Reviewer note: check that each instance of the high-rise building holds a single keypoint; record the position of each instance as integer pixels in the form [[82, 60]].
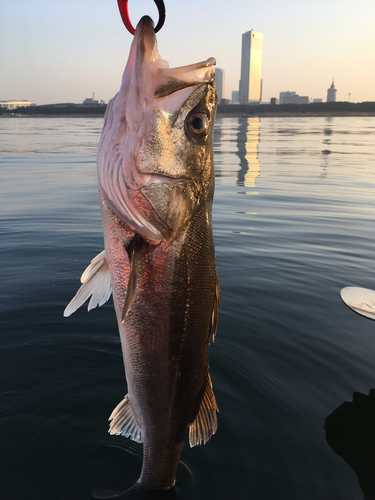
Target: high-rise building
[[331, 93], [251, 68], [220, 83]]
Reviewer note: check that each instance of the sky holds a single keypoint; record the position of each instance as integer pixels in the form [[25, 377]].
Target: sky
[[54, 51]]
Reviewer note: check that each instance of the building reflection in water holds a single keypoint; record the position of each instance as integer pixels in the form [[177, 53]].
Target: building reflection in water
[[237, 138], [248, 136], [218, 132], [327, 142], [350, 432]]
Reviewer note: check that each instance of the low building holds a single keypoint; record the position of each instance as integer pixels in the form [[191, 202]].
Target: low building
[[16, 104], [225, 101], [317, 100], [293, 98], [235, 96], [274, 100], [90, 101]]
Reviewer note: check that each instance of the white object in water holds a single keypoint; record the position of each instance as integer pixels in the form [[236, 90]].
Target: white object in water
[[361, 300]]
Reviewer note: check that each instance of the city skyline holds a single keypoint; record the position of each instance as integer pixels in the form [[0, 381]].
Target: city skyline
[[53, 52]]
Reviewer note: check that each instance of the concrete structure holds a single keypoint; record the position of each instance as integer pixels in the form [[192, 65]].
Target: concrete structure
[[235, 97], [251, 68], [274, 100], [220, 83], [225, 101], [293, 98], [91, 101], [16, 104], [331, 93], [317, 100]]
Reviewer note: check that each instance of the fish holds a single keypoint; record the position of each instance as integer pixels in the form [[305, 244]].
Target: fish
[[156, 187]]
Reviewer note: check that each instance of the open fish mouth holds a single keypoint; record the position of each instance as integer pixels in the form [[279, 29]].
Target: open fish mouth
[[177, 84], [149, 73], [139, 130]]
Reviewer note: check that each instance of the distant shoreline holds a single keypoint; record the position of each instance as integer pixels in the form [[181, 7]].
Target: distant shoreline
[[340, 108], [300, 114], [269, 114], [51, 115]]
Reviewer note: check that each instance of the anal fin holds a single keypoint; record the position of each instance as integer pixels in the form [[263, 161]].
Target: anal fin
[[205, 423], [123, 422]]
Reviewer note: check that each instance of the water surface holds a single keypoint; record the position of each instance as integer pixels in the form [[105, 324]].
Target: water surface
[[293, 223]]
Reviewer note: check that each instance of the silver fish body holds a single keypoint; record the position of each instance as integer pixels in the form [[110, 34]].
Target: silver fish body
[[156, 176]]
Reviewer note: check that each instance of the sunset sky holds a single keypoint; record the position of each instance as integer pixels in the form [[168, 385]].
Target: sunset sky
[[62, 51]]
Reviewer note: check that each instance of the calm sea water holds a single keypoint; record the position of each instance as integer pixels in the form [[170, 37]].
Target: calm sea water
[[293, 222]]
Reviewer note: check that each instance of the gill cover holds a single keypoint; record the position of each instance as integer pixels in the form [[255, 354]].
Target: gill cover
[[151, 152]]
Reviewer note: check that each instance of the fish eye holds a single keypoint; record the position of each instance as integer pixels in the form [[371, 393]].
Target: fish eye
[[197, 125]]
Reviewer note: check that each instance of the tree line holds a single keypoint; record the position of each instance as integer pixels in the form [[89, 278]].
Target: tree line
[[315, 107]]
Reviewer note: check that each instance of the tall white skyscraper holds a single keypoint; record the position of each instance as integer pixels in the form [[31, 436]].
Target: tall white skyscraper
[[251, 67], [220, 83]]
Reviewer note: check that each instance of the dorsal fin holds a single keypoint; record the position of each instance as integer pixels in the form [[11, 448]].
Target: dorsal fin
[[96, 283], [215, 309], [205, 423], [123, 422]]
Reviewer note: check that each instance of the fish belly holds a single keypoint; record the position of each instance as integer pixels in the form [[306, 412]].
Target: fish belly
[[165, 335]]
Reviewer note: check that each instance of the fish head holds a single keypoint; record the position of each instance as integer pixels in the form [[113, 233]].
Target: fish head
[[155, 155]]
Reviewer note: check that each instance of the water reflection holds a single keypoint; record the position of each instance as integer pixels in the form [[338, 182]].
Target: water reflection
[[248, 137], [350, 431], [327, 132], [218, 132]]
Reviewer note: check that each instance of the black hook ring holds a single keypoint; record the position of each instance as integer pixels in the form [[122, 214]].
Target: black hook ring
[[123, 6]]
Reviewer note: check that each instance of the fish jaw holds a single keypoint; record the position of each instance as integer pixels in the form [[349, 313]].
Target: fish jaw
[[148, 164]]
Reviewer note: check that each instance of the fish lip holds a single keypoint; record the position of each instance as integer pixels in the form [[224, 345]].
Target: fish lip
[[145, 31]]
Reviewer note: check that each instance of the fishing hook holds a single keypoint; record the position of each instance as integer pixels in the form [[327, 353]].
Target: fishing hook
[[123, 6]]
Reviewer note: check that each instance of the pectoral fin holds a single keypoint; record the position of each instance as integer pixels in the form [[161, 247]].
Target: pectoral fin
[[132, 283], [205, 423], [123, 422], [215, 309], [137, 249], [96, 283]]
